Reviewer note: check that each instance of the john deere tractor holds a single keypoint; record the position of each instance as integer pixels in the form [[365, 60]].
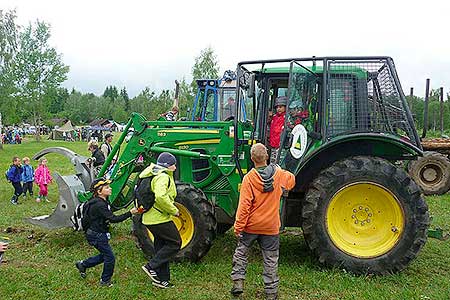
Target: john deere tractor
[[216, 99], [347, 129]]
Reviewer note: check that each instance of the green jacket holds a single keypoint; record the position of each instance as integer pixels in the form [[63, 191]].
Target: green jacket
[[165, 194]]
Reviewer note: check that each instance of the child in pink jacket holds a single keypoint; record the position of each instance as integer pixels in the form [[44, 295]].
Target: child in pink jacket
[[42, 178]]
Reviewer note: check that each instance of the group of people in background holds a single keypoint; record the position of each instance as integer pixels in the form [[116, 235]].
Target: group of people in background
[[11, 136], [22, 175]]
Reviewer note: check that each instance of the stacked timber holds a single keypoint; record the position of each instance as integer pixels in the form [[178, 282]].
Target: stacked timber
[[440, 145]]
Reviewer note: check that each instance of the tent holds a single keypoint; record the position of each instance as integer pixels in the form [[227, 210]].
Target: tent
[[63, 132]]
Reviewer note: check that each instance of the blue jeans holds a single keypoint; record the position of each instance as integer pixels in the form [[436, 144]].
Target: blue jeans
[[101, 242]]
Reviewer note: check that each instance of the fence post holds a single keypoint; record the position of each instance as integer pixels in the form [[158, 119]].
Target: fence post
[[441, 113], [425, 111]]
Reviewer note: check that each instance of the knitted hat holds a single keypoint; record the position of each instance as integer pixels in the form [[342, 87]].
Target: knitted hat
[[166, 160], [281, 101]]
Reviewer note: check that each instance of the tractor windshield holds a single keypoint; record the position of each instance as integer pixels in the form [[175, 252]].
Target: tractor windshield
[[227, 100]]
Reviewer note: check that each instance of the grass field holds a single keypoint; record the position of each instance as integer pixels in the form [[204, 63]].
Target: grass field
[[40, 263]]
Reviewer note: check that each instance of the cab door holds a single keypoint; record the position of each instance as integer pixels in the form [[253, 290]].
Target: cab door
[[302, 115]]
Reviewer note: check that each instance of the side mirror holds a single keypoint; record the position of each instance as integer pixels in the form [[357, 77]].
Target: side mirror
[[251, 86]]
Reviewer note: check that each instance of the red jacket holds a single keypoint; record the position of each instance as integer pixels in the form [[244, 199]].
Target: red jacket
[[276, 127]]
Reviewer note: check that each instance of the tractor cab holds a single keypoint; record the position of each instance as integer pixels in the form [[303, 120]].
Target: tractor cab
[[216, 99], [329, 100]]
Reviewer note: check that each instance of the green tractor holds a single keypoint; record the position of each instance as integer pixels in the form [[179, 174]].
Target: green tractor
[[347, 130]]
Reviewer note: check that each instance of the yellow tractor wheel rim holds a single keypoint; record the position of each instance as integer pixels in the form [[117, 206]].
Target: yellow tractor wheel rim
[[364, 220], [184, 223]]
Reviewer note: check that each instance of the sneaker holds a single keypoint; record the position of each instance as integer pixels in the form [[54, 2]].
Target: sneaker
[[163, 284], [14, 201], [106, 283], [38, 199], [81, 268], [151, 273], [46, 199]]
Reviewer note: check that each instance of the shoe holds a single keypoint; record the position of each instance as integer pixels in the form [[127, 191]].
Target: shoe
[[14, 201], [38, 199], [46, 199], [106, 283], [151, 273], [272, 296], [81, 268], [163, 284], [238, 287]]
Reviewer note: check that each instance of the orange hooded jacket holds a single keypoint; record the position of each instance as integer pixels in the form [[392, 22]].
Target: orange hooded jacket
[[259, 201]]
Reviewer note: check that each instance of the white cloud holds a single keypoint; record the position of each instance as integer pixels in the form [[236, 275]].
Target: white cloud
[[152, 43]]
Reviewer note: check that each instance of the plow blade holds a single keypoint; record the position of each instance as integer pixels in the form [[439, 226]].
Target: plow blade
[[68, 186]]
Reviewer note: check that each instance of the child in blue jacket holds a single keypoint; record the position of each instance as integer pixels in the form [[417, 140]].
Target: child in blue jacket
[[14, 175], [27, 177]]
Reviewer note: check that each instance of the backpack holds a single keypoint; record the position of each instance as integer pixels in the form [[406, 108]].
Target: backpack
[[80, 219], [6, 174], [143, 194]]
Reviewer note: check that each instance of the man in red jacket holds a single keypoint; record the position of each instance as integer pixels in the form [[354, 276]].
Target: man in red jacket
[[258, 218]]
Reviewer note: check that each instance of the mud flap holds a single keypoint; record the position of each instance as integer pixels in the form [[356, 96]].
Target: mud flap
[[68, 186]]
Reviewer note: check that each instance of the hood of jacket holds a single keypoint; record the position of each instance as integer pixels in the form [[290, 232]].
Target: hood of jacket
[[262, 178], [153, 170]]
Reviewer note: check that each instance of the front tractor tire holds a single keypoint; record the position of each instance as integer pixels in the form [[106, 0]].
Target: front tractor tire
[[431, 172], [196, 225], [365, 215]]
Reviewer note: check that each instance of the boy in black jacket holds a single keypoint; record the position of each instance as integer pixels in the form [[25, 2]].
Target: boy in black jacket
[[100, 215]]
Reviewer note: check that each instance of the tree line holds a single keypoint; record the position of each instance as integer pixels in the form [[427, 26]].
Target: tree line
[[32, 73]]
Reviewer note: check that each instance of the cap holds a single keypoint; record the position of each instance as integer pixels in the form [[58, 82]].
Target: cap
[[98, 183], [166, 160], [281, 101], [92, 143]]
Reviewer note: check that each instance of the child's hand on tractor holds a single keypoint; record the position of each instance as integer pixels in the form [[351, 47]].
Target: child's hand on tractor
[[140, 209]]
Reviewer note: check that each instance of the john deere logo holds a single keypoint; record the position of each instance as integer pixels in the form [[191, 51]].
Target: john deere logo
[[142, 142]]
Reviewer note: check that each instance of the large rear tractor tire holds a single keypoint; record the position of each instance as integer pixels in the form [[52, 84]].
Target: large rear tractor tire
[[431, 172], [365, 215], [196, 224]]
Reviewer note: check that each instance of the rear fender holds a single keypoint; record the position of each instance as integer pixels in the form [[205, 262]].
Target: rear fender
[[387, 147]]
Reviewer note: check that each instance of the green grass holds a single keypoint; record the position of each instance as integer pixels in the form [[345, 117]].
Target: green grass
[[39, 264]]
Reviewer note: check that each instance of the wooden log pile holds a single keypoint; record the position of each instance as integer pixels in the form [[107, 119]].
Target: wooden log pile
[[440, 145]]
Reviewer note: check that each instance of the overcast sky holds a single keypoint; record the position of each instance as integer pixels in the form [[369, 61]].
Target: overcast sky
[[152, 43]]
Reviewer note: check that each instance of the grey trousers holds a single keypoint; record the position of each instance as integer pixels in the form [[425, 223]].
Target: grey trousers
[[269, 245]]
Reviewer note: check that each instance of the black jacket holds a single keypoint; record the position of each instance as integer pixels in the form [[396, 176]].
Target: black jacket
[[99, 157], [100, 215]]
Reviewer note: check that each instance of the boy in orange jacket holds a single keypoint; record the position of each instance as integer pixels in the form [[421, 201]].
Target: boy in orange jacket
[[258, 218]]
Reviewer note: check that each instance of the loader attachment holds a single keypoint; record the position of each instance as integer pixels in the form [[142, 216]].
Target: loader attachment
[[68, 186]]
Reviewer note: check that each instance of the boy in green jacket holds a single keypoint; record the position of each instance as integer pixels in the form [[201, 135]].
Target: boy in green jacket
[[158, 219]]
